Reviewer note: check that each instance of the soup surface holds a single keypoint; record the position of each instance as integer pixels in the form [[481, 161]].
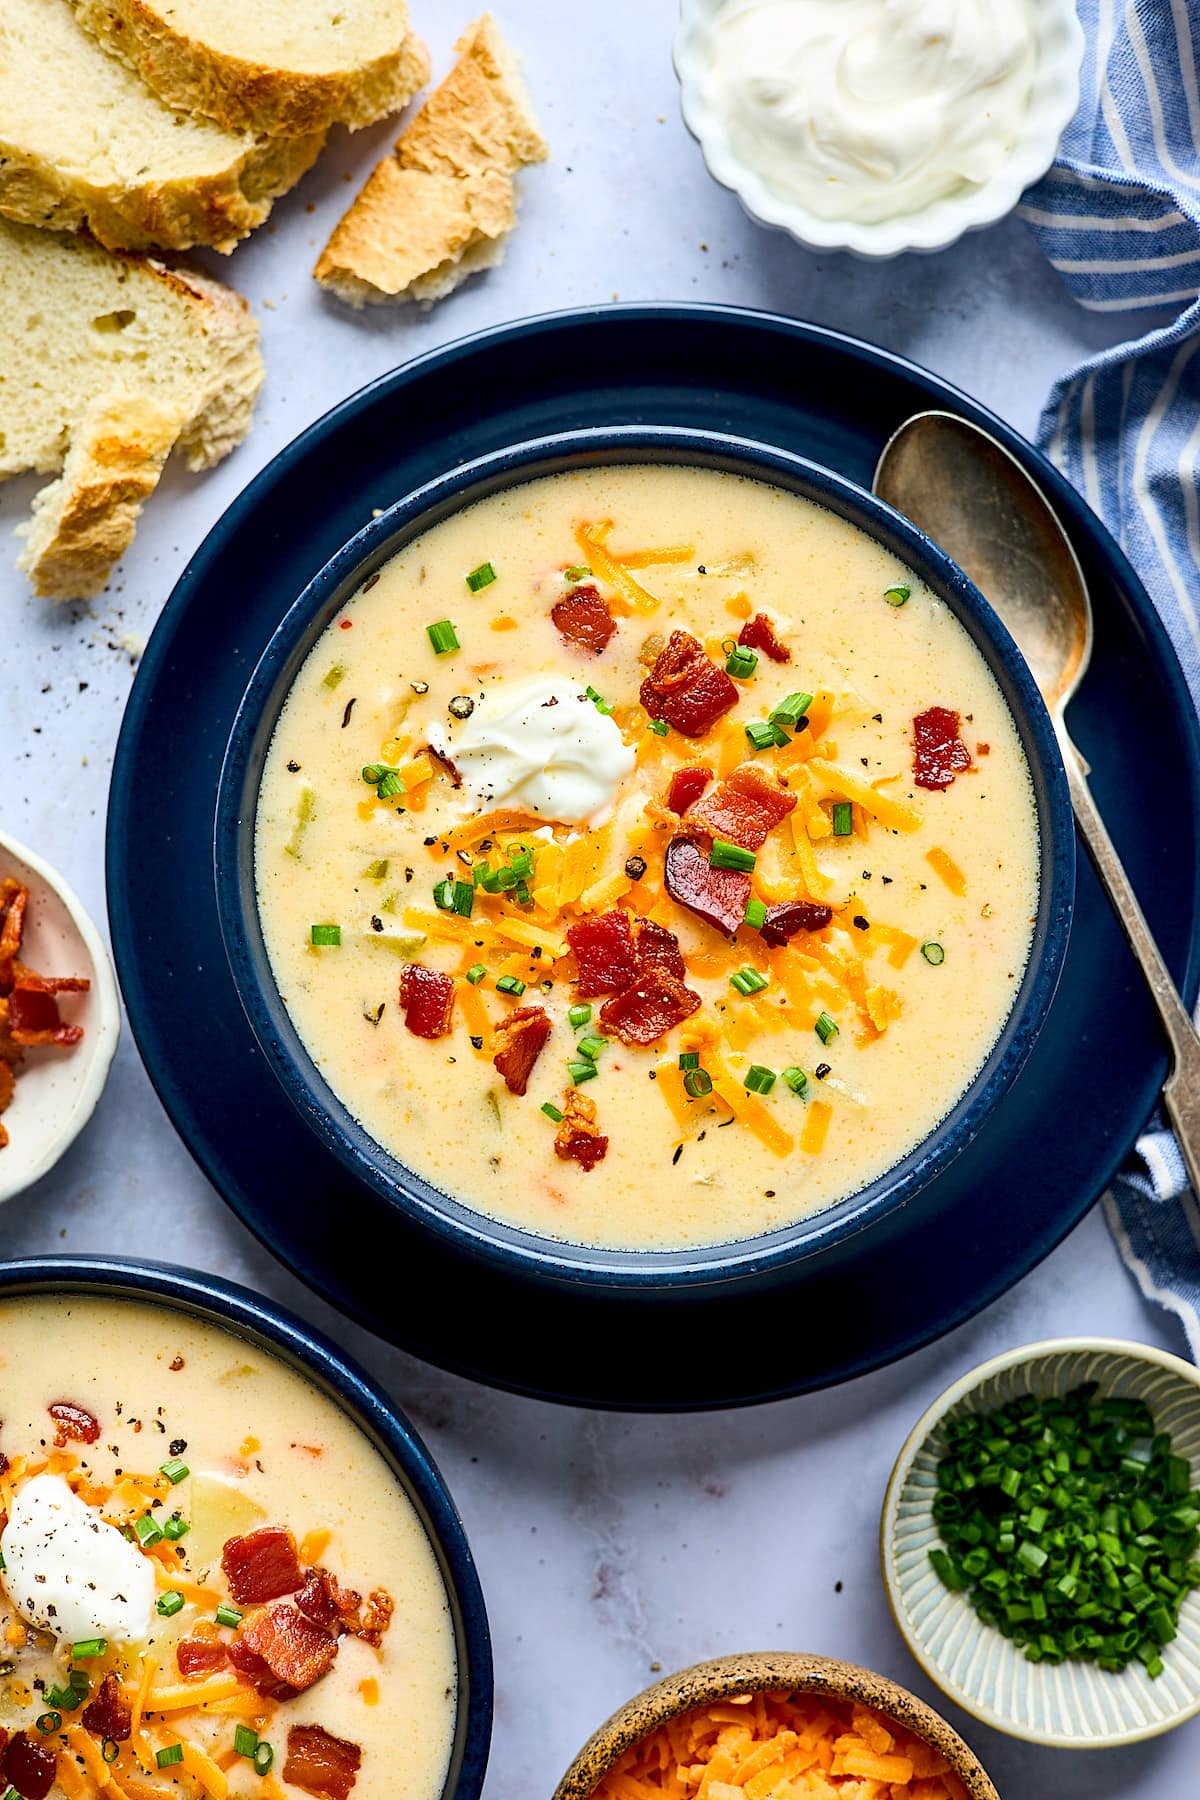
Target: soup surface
[[223, 1628], [527, 818]]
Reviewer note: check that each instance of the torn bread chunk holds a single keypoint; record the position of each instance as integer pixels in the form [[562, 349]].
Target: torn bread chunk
[[118, 360], [280, 67], [442, 204], [85, 144]]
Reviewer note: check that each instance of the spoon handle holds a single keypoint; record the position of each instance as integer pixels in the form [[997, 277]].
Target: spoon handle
[[1181, 1094]]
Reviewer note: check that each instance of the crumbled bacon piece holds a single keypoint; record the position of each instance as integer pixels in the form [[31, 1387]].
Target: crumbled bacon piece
[[257, 1671], [602, 945], [446, 764], [262, 1566], [583, 618], [686, 688], [3, 1468], [30, 1767], [427, 999], [718, 896], [578, 1139], [74, 1423], [939, 753], [687, 785], [200, 1656], [13, 901], [109, 1714], [648, 1010], [326, 1602], [294, 1649], [758, 633], [33, 1018], [520, 1038], [656, 948], [784, 921], [320, 1763], [743, 808]]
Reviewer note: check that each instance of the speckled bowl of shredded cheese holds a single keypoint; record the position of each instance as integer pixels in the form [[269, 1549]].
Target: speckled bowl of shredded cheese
[[878, 126], [776, 1726]]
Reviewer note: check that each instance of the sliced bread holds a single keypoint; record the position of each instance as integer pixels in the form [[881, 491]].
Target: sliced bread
[[442, 204], [110, 361], [285, 67], [85, 143]]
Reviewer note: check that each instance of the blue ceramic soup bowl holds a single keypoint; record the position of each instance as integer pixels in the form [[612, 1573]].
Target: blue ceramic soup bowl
[[304, 1349], [747, 1262]]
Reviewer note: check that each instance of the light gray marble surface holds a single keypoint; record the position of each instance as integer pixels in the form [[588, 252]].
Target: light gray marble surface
[[607, 1545]]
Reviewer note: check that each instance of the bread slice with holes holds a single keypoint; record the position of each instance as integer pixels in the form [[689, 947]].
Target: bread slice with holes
[[110, 362], [443, 203], [283, 67], [84, 143]]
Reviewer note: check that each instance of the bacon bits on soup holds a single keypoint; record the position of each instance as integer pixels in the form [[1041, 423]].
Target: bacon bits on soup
[[666, 888]]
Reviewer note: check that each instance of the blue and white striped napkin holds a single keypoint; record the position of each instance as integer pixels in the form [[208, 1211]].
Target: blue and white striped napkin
[[1119, 217]]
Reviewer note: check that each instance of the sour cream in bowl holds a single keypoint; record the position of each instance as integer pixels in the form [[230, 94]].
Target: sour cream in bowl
[[878, 125]]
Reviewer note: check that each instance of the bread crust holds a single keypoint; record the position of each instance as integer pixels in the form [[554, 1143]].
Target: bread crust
[[441, 205], [246, 95], [216, 210]]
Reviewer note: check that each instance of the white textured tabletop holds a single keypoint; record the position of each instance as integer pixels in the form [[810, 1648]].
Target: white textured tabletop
[[607, 1545]]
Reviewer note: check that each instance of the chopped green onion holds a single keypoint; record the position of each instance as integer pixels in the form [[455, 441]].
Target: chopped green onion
[[579, 1015], [598, 701], [89, 1648], [245, 1741], [826, 1028], [933, 953], [725, 855], [264, 1757], [148, 1531], [175, 1528], [791, 710], [49, 1721], [697, 1083], [582, 1071], [552, 1112], [843, 818], [443, 894], [110, 1750], [591, 1047], [228, 1615], [476, 973], [897, 595], [386, 782], [763, 734], [689, 1059], [71, 1697], [443, 637], [659, 727], [334, 675], [377, 871], [463, 898], [576, 572], [510, 984], [169, 1604], [748, 981], [481, 577], [741, 662], [175, 1471], [758, 1079], [797, 1080], [755, 914], [327, 935], [167, 1758]]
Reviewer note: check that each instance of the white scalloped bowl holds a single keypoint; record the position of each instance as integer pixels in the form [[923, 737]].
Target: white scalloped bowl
[[1074, 1705], [1052, 105]]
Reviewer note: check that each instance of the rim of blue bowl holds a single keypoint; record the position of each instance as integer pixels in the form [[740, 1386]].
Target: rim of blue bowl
[[364, 1159], [310, 1353]]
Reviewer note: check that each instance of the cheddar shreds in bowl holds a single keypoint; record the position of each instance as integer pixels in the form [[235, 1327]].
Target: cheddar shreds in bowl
[[782, 1746]]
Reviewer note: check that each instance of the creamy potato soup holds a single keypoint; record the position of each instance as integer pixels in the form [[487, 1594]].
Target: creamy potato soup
[[646, 858], [213, 1585]]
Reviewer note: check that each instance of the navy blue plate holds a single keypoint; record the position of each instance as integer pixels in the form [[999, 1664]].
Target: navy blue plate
[[753, 1262], [314, 1357], [1036, 1166]]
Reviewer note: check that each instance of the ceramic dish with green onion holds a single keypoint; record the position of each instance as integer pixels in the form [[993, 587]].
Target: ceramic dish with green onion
[[1040, 1545]]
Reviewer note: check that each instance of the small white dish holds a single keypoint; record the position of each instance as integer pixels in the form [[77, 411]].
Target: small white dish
[[1052, 104], [1073, 1705], [57, 1090]]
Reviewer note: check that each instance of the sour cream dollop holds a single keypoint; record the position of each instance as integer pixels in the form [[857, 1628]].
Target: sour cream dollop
[[69, 1572], [868, 109], [540, 744]]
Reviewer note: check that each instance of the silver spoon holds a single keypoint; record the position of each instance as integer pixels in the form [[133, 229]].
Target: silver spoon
[[971, 496]]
